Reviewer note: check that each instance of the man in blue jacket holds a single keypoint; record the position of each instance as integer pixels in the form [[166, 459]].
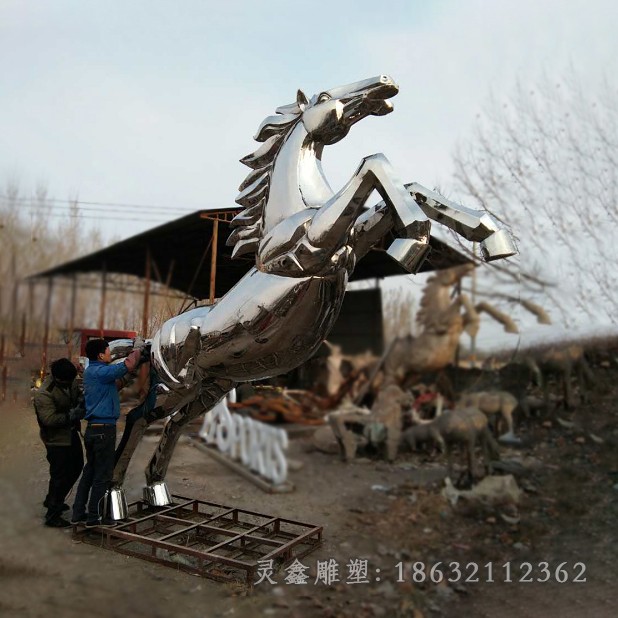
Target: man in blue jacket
[[102, 412]]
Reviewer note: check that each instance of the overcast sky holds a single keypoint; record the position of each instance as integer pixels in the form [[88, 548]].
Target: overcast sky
[[153, 102]]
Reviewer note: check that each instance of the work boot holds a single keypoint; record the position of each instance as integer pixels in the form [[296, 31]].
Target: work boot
[[78, 520], [109, 523], [57, 522]]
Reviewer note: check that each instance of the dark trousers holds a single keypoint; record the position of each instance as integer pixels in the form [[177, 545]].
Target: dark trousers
[[65, 466], [100, 442]]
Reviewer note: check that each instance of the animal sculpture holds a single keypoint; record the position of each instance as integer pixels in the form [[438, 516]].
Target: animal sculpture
[[494, 404], [464, 427], [381, 428], [307, 239], [562, 362]]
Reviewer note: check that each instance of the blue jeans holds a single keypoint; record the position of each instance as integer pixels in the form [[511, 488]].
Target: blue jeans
[[100, 443]]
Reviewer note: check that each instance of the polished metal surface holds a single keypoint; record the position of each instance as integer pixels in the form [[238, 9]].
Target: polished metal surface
[[409, 253], [115, 504], [472, 224], [307, 240], [157, 494], [120, 349]]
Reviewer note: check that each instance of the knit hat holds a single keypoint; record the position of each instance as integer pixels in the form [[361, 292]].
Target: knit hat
[[64, 370]]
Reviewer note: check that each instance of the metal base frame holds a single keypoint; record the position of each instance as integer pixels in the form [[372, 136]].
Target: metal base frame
[[205, 538]]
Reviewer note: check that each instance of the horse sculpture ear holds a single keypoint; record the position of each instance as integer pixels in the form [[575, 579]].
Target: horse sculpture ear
[[301, 100]]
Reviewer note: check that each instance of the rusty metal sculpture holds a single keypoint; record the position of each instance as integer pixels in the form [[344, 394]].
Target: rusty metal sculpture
[[307, 240]]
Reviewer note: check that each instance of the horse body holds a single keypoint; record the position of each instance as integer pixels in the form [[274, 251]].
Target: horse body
[[262, 327], [307, 240]]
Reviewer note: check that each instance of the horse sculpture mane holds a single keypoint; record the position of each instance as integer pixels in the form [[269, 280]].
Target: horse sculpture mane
[[254, 189]]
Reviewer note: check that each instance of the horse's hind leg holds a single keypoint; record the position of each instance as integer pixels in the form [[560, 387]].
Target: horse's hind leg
[[155, 492], [136, 423]]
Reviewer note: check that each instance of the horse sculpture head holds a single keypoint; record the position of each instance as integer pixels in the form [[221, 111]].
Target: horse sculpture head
[[301, 129], [328, 116]]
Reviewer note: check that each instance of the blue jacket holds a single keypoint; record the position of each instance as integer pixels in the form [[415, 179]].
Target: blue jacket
[[102, 401]]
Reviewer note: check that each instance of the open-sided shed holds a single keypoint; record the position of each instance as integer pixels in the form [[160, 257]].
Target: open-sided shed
[[190, 255]]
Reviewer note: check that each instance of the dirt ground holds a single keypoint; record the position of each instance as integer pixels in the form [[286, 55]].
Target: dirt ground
[[387, 514]]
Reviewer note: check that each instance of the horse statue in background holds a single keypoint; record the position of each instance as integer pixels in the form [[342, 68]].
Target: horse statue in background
[[306, 239]]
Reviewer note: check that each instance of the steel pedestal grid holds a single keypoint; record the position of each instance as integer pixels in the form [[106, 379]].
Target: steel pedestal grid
[[205, 538]]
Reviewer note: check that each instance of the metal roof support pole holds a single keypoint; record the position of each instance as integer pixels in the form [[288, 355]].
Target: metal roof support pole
[[50, 286], [31, 320], [5, 371], [71, 326], [14, 294], [213, 260], [22, 336], [145, 316], [103, 295], [167, 293], [195, 275], [473, 293]]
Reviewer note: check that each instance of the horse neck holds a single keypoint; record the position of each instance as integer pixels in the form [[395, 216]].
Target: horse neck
[[297, 181]]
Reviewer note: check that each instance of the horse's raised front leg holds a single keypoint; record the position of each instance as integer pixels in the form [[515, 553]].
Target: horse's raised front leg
[[156, 492], [375, 172]]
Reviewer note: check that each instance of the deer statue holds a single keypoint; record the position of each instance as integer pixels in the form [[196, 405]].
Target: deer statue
[[465, 427]]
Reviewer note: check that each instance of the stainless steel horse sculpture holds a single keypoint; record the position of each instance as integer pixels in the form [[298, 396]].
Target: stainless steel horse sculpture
[[307, 240]]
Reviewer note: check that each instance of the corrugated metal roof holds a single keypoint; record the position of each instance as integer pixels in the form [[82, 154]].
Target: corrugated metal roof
[[180, 254]]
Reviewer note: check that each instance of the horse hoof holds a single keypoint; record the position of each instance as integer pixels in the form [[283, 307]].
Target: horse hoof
[[115, 505], [157, 494], [497, 246], [410, 253]]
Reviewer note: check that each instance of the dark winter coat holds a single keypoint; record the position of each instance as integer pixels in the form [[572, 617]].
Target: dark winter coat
[[52, 404]]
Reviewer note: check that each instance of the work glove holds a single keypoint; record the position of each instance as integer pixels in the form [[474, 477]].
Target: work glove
[[132, 360], [77, 413], [144, 354]]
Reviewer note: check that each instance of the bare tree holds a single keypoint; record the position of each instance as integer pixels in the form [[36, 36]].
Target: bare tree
[[399, 310], [545, 161]]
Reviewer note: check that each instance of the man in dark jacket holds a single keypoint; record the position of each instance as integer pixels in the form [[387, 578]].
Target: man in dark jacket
[[58, 412], [102, 412]]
